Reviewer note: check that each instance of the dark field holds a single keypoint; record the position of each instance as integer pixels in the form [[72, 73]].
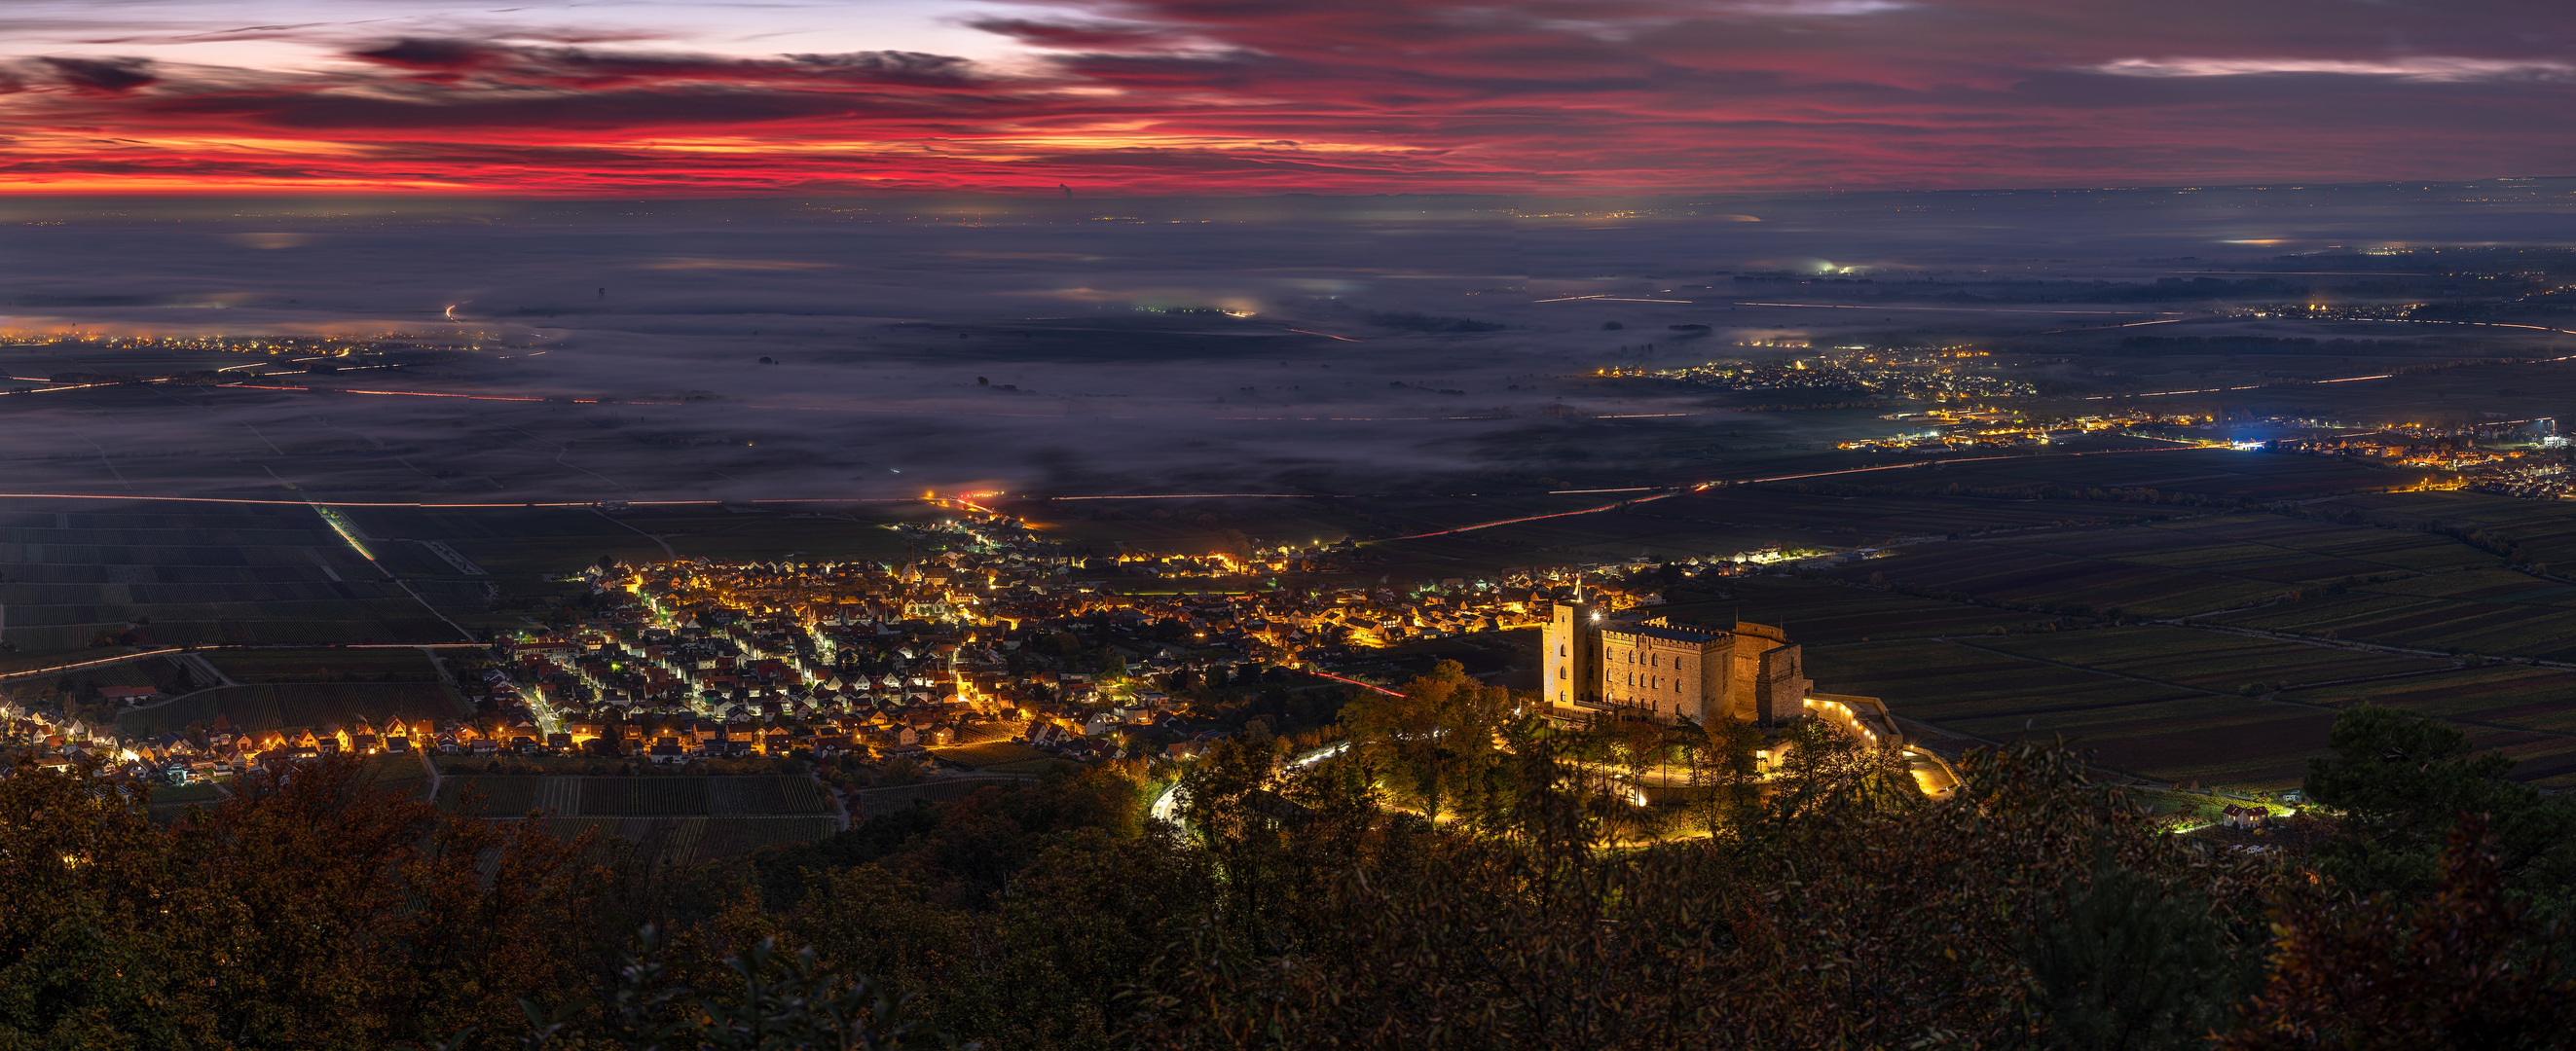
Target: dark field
[[640, 796], [675, 820], [682, 841], [177, 574], [299, 704], [325, 665]]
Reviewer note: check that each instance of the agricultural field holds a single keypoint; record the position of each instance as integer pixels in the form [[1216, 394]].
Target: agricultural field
[[2499, 696], [2224, 474], [398, 773], [251, 667], [2025, 572], [1825, 613], [2543, 530], [2151, 729], [989, 755], [282, 705], [640, 796], [535, 542], [681, 841], [1731, 520], [2497, 626], [166, 673], [2273, 548], [2210, 661], [74, 574], [2190, 567]]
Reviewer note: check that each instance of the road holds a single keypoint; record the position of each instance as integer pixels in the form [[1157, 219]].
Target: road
[[1698, 486], [1167, 803]]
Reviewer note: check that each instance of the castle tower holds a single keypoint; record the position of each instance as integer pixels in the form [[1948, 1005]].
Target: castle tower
[[1571, 655]]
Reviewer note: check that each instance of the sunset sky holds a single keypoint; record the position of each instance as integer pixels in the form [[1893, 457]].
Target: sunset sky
[[652, 97]]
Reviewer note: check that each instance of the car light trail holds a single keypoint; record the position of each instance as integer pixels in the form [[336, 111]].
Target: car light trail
[[1354, 682], [1533, 518], [1326, 335]]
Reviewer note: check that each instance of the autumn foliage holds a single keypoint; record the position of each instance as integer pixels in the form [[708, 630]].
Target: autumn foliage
[[1460, 878]]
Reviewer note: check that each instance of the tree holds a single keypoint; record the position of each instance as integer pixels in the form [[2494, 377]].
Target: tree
[[2463, 967], [2401, 781], [1724, 773], [2127, 963], [1435, 738]]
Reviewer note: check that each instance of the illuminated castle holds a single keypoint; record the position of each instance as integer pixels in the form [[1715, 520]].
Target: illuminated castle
[[1597, 667]]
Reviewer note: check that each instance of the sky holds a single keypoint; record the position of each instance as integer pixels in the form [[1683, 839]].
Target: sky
[[1137, 97]]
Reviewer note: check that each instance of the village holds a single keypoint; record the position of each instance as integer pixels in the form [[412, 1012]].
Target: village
[[991, 633], [2522, 458]]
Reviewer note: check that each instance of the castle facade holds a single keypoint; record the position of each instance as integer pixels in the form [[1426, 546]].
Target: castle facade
[[1661, 671]]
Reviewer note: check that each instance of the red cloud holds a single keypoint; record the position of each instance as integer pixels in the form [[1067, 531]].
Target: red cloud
[[1343, 95]]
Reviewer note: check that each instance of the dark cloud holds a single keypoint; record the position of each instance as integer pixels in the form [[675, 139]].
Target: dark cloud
[[102, 76], [1077, 36], [575, 67]]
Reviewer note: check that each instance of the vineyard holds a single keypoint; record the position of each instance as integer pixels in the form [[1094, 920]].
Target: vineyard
[[632, 797], [690, 840]]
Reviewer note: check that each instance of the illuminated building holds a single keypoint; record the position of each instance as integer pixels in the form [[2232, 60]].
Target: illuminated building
[[1657, 670]]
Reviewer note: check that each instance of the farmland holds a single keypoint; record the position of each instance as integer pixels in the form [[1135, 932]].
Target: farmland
[[324, 665], [670, 819], [178, 574], [307, 704], [2185, 568], [2152, 729], [642, 796], [2544, 531], [2210, 661], [2193, 705], [990, 755], [2488, 612], [682, 841], [1825, 613], [2218, 474], [398, 773]]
